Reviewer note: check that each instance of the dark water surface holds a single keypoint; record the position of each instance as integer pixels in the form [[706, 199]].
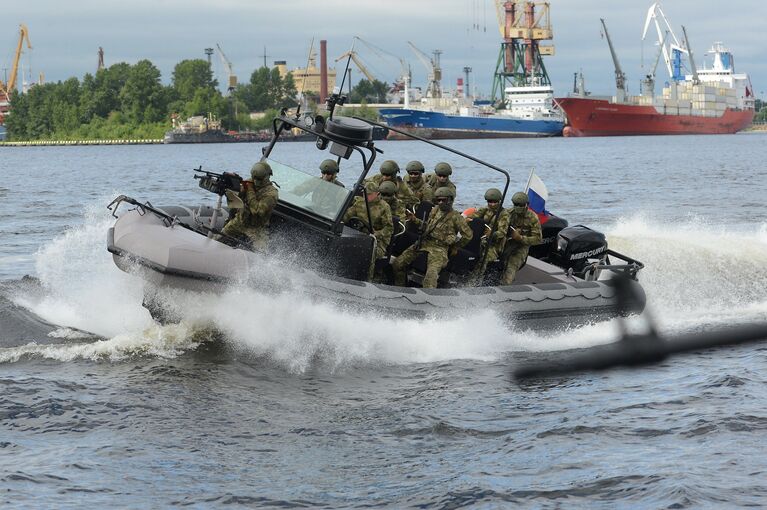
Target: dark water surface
[[271, 400]]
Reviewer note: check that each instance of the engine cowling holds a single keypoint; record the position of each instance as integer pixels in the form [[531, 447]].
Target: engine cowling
[[549, 231], [576, 246]]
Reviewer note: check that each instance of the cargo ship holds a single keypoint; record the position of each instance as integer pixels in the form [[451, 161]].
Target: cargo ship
[[712, 100], [521, 87], [529, 113]]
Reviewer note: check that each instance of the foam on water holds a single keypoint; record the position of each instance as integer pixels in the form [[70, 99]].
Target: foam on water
[[694, 272]]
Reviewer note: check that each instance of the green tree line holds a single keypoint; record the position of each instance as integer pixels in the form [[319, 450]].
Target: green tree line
[[130, 101]]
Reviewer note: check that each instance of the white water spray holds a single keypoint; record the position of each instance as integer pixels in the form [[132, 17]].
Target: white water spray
[[690, 269]]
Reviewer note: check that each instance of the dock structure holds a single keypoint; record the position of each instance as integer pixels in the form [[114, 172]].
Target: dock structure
[[31, 143]]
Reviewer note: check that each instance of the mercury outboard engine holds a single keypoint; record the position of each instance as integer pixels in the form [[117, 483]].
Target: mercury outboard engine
[[549, 230], [575, 245]]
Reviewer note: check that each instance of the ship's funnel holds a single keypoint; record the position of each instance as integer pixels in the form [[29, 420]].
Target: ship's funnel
[[323, 70]]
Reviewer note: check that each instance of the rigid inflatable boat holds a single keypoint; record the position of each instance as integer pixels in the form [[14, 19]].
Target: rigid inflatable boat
[[567, 280]]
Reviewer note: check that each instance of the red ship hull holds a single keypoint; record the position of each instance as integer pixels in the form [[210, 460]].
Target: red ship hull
[[600, 117]]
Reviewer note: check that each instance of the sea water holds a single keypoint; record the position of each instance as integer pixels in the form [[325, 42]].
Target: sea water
[[263, 399]]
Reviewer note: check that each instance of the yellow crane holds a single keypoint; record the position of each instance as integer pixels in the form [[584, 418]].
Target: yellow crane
[[359, 63], [23, 35], [230, 76]]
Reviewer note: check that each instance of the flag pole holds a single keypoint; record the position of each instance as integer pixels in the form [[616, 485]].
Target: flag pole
[[530, 178]]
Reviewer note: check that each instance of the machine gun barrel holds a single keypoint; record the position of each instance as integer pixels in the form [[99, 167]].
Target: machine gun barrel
[[218, 183]]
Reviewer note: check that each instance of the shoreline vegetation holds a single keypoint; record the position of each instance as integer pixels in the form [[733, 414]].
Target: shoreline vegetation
[[127, 102]]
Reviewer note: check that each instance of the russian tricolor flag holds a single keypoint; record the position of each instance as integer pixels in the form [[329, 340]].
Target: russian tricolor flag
[[537, 193]]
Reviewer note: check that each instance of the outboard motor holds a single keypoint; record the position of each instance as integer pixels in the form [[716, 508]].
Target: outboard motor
[[576, 245], [549, 231]]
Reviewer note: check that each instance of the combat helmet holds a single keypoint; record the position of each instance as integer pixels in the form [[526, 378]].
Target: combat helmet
[[443, 169], [329, 166], [415, 166], [387, 188], [389, 167], [519, 199], [371, 187], [444, 192], [493, 195], [260, 170]]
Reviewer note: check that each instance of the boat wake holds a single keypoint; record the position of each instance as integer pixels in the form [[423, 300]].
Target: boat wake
[[696, 275]]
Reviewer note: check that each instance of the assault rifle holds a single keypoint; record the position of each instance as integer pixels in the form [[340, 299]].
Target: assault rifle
[[218, 183], [422, 230]]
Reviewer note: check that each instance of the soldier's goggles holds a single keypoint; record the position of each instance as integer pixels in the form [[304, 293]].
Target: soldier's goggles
[[441, 200], [415, 173]]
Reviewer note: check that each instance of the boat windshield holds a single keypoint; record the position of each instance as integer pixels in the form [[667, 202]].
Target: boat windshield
[[308, 191]]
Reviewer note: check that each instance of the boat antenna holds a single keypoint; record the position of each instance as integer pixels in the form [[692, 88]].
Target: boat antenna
[[303, 82], [337, 97]]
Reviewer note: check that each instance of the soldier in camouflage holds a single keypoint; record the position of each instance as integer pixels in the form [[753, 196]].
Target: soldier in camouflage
[[259, 197], [525, 231], [417, 183], [380, 219], [325, 199], [441, 178], [388, 191], [388, 172], [492, 245], [439, 234]]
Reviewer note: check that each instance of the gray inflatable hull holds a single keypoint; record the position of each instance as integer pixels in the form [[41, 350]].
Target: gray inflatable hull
[[170, 256]]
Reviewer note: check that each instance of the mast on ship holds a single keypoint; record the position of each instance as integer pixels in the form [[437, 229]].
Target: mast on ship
[[523, 24], [620, 76], [695, 79]]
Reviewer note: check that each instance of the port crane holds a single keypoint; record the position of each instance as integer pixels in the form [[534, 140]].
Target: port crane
[[434, 89], [648, 83], [620, 76], [362, 67], [9, 87], [405, 71], [672, 53], [523, 25], [230, 76]]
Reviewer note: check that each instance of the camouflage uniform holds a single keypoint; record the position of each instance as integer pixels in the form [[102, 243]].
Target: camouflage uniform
[[440, 233], [396, 206], [404, 194], [434, 184], [529, 227], [252, 220], [381, 217], [495, 249], [421, 189]]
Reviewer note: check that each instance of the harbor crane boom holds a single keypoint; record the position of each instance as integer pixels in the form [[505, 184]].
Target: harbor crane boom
[[620, 76], [359, 63], [648, 83], [672, 52], [432, 65], [23, 35], [695, 79], [404, 65], [231, 77]]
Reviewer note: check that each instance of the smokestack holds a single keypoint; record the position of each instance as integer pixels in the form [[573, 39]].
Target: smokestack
[[459, 88], [323, 71]]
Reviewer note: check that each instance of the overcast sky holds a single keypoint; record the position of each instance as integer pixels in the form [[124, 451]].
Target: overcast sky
[[66, 35]]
